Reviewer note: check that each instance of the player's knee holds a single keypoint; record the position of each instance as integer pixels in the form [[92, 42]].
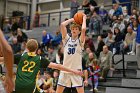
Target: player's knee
[[59, 89]]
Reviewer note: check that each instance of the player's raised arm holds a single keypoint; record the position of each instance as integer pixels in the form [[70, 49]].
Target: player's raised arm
[[8, 60], [63, 27], [83, 32]]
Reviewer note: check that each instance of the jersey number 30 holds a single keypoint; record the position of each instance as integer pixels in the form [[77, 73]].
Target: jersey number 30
[[28, 66], [71, 51]]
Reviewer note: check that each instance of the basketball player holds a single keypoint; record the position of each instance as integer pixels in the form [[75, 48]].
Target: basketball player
[[7, 54], [73, 47], [29, 65]]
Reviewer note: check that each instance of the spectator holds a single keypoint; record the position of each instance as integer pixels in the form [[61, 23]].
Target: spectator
[[100, 45], [118, 10], [132, 18], [94, 70], [21, 36], [113, 21], [40, 83], [105, 62], [59, 55], [91, 58], [126, 16], [55, 79], [134, 26], [85, 5], [57, 39], [51, 54], [120, 25], [15, 25], [119, 37], [86, 54], [23, 47], [134, 13], [16, 47], [111, 12], [40, 52], [89, 43], [95, 24], [74, 8], [7, 26], [93, 6], [103, 13], [48, 82], [46, 39], [13, 35], [128, 42], [90, 6], [110, 40]]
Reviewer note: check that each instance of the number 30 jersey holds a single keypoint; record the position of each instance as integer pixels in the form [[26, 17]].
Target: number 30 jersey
[[72, 53]]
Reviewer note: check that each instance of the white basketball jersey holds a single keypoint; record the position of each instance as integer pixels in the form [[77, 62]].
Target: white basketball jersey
[[72, 53]]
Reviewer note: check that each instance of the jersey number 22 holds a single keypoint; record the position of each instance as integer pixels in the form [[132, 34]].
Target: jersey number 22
[[28, 66]]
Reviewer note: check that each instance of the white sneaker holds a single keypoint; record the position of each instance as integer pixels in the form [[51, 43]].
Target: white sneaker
[[95, 89], [132, 54], [129, 53], [91, 90]]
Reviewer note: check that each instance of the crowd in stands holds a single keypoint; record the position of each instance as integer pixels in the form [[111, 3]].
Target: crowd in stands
[[122, 35]]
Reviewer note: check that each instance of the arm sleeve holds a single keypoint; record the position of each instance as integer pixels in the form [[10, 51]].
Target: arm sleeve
[[44, 62], [17, 58]]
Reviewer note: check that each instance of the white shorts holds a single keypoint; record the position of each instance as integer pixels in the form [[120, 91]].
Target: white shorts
[[70, 80]]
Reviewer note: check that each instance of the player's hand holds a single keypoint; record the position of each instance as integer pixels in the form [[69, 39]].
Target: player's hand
[[78, 72], [72, 19], [86, 82], [8, 84]]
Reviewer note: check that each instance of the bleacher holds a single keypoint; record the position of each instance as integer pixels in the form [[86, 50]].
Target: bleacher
[[125, 79], [117, 83]]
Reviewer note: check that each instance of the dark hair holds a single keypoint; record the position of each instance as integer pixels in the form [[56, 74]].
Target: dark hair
[[110, 32], [48, 72], [51, 47], [117, 29]]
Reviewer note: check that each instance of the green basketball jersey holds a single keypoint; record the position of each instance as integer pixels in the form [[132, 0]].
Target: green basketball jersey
[[28, 68]]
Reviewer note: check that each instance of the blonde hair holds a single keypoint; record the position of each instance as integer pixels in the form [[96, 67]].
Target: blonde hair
[[32, 45], [75, 25]]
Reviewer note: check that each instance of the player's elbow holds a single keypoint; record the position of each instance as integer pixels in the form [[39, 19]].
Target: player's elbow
[[84, 29], [8, 50], [63, 24]]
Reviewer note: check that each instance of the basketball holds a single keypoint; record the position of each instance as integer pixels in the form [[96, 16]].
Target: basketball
[[78, 17]]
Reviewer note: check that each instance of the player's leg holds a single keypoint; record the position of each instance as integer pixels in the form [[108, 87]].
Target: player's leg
[[80, 89], [60, 89], [63, 81], [77, 81]]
